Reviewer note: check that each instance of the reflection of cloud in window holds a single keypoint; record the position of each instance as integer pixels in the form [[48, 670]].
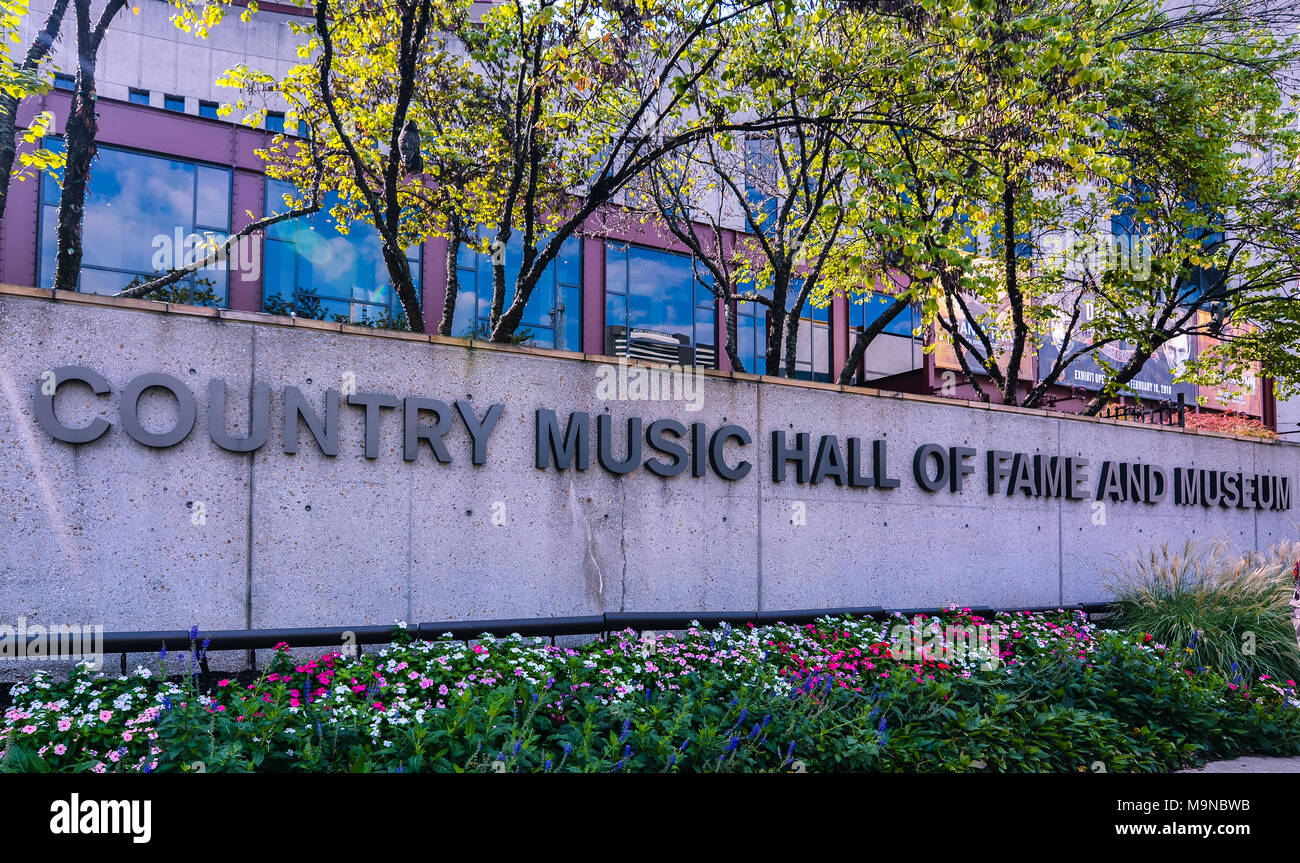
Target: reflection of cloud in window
[[133, 199], [311, 246]]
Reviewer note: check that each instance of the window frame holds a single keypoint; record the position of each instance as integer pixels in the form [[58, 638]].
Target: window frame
[[395, 305], [195, 227], [703, 298], [560, 312]]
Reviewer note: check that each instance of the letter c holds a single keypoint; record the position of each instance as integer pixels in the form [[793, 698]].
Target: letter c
[[44, 406], [716, 445]]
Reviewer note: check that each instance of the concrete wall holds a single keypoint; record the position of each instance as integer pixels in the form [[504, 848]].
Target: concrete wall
[[105, 533]]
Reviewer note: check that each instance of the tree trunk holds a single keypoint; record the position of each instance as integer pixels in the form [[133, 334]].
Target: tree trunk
[[867, 336], [507, 321], [452, 284], [499, 283], [1020, 332], [80, 135], [792, 328], [729, 328], [36, 53], [79, 138], [1130, 370], [791, 340], [399, 271], [775, 329]]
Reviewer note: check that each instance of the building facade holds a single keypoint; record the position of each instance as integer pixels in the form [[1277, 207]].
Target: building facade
[[171, 172]]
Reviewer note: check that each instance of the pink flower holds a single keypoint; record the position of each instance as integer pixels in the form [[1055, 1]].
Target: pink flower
[[126, 735], [113, 756], [59, 749], [478, 648], [29, 729], [65, 724], [226, 682], [105, 715]]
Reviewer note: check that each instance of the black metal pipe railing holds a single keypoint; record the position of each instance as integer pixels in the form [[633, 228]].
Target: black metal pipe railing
[[463, 630]]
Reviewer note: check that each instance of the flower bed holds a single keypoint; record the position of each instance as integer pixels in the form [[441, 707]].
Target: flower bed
[[1059, 695]]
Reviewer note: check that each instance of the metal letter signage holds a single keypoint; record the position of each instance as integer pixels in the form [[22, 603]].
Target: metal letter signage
[[664, 448]]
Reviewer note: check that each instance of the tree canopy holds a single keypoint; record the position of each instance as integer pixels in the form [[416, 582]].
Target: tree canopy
[[979, 160]]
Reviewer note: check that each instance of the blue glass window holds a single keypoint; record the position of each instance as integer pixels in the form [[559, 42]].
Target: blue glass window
[[751, 335], [896, 348], [656, 308], [813, 344], [1024, 241], [760, 181], [866, 308], [1202, 283], [64, 82], [312, 270], [138, 97], [208, 109], [1125, 223], [145, 215], [274, 121], [174, 103], [553, 316]]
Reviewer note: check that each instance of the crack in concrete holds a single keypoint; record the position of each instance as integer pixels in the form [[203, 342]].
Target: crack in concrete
[[622, 543], [591, 564]]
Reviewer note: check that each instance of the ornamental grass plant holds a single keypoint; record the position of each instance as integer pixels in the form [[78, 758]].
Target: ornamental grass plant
[[1231, 612]]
